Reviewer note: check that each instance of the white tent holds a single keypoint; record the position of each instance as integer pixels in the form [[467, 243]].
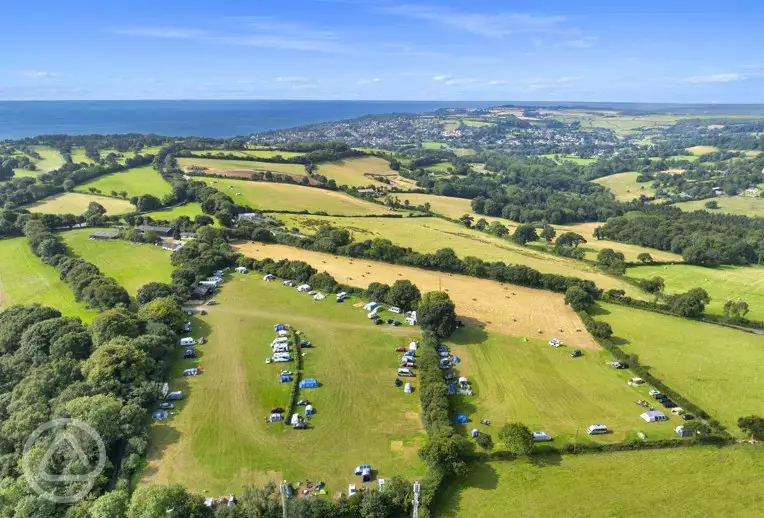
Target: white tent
[[407, 388], [475, 432]]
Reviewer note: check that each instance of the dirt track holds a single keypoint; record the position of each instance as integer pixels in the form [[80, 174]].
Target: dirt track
[[503, 308]]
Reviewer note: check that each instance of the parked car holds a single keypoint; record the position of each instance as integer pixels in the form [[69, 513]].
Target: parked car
[[395, 323], [212, 302], [277, 410], [303, 402], [688, 417], [406, 372], [166, 406], [352, 490], [541, 436], [202, 340], [203, 312], [575, 353], [378, 322], [597, 429], [394, 309], [398, 382]]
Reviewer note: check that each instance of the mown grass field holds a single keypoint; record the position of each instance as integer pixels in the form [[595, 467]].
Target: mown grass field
[[135, 181], [218, 441], [77, 203], [51, 159], [624, 186], [131, 265], [738, 205], [702, 150], [257, 153], [546, 389], [429, 144], [354, 172], [698, 481], [492, 306], [722, 284], [594, 245], [25, 279], [220, 166], [569, 158], [432, 234], [189, 209], [280, 196], [715, 367]]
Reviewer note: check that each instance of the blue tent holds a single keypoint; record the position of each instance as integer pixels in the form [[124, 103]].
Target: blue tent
[[461, 418], [456, 360], [309, 383], [451, 389], [279, 327], [286, 379]]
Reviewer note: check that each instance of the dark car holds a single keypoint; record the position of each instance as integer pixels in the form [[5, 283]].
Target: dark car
[[688, 417], [203, 312], [459, 324], [389, 320], [668, 404], [189, 353], [575, 353], [277, 410], [378, 322], [398, 382], [305, 344], [395, 323]]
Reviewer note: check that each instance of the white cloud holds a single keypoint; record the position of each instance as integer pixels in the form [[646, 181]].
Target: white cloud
[[442, 77], [163, 32], [369, 81], [461, 81], [497, 82], [291, 79], [715, 78], [488, 25], [580, 43], [39, 73]]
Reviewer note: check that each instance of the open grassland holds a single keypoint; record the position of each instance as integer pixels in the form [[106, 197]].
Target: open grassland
[[79, 156], [242, 167], [358, 172], [594, 245], [702, 150], [463, 151], [257, 153], [431, 234], [440, 166], [624, 186], [280, 196], [477, 123], [25, 279], [135, 181], [569, 158], [450, 124], [132, 265], [218, 441], [698, 481], [190, 210], [738, 205], [429, 144], [51, 159], [496, 307], [715, 367], [722, 284], [622, 125], [546, 389], [77, 203]]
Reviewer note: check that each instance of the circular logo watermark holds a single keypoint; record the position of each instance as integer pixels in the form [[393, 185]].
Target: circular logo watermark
[[74, 440]]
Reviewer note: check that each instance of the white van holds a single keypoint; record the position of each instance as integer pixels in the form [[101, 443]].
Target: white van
[[541, 436], [597, 429], [403, 371], [395, 309], [187, 341], [372, 315]]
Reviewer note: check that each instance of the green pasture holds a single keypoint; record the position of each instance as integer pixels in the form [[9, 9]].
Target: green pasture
[[25, 279], [51, 159], [715, 367], [737, 205], [722, 284], [242, 165], [218, 441], [190, 210], [132, 265], [359, 172], [543, 387], [570, 158], [77, 203], [257, 153], [624, 186], [697, 481], [135, 181], [288, 197], [429, 144]]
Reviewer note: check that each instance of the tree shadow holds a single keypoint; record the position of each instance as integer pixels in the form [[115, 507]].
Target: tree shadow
[[545, 456], [617, 340], [472, 333], [597, 310], [162, 436]]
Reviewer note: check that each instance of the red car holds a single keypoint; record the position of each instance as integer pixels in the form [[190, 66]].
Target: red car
[[400, 350]]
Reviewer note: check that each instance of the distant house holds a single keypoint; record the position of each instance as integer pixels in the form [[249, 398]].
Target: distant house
[[754, 192], [255, 217], [162, 231], [104, 235], [202, 291]]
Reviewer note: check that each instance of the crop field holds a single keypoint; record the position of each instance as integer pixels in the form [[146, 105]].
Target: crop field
[[135, 181], [77, 203], [25, 279], [493, 306], [737, 205], [702, 150], [546, 389], [132, 265], [699, 481], [190, 210], [354, 172], [240, 167], [218, 441], [624, 186], [280, 196], [432, 234], [715, 367], [722, 283]]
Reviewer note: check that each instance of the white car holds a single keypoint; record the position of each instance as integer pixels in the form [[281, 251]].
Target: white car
[[352, 490], [394, 309], [597, 429], [541, 436]]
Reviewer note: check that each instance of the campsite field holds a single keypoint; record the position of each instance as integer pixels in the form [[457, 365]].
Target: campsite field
[[737, 205], [546, 389], [218, 441], [355, 172], [496, 307], [624, 186], [287, 197], [722, 283], [432, 234], [25, 279], [132, 265], [715, 367], [456, 207], [698, 481], [231, 167], [135, 181], [77, 203]]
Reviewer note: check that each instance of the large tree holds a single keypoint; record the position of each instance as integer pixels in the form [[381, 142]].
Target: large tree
[[517, 438], [525, 234], [404, 294], [437, 313]]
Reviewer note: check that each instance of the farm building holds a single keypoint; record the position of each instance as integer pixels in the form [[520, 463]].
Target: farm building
[[309, 383], [654, 416], [254, 217], [162, 231], [104, 235], [202, 292]]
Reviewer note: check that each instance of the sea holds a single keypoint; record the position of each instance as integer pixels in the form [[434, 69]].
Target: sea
[[219, 119]]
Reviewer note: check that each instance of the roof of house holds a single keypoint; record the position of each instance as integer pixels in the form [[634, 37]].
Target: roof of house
[[160, 230], [105, 234]]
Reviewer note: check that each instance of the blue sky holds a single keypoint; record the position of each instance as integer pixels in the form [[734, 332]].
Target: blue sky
[[668, 51]]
